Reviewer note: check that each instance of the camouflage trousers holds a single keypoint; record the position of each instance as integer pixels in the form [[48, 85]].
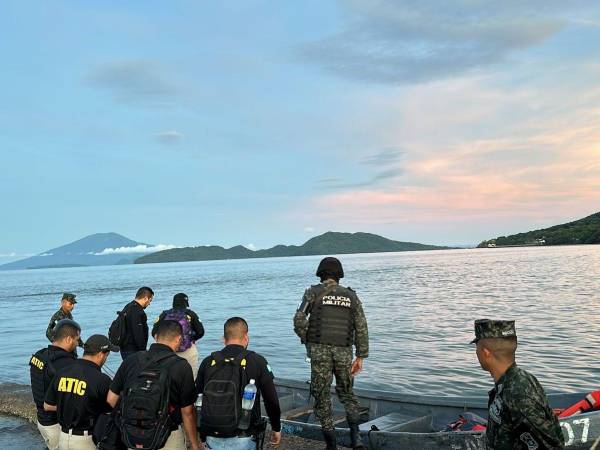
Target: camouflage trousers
[[327, 361]]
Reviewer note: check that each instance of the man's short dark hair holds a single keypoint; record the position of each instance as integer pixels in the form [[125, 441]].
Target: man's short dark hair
[[167, 330], [235, 328], [66, 330], [144, 292]]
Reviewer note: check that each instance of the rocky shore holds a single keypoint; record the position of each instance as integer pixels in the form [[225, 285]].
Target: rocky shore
[[15, 400]]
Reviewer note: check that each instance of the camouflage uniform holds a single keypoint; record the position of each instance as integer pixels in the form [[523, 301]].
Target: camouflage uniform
[[59, 315], [329, 360], [519, 416]]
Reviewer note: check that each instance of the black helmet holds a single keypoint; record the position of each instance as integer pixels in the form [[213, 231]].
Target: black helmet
[[180, 300], [330, 266]]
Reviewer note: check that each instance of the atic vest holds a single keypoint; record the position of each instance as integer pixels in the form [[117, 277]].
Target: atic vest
[[42, 371], [330, 320]]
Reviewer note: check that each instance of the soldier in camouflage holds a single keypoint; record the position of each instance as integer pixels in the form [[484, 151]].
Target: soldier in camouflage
[[329, 321], [519, 416], [66, 306]]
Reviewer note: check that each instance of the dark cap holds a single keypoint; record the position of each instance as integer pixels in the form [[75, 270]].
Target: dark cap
[[330, 266], [62, 322], [487, 328], [97, 343], [69, 297], [180, 300]]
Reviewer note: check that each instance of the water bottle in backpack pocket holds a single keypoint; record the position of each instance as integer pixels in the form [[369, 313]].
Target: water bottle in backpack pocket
[[248, 398]]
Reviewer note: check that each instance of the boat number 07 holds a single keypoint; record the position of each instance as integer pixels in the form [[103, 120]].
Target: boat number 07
[[571, 435]]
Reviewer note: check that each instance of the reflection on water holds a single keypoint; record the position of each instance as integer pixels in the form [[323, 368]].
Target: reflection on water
[[420, 307]]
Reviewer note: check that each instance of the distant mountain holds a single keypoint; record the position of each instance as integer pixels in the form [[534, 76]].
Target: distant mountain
[[99, 249], [582, 231], [330, 243]]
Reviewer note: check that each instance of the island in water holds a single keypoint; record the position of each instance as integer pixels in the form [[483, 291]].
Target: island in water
[[582, 231], [330, 243]]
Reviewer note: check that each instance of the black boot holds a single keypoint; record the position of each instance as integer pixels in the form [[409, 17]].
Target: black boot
[[355, 440], [330, 439]]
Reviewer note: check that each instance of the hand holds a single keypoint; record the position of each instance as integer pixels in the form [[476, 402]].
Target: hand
[[356, 366], [275, 438]]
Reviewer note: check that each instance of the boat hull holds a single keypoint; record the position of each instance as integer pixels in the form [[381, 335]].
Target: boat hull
[[397, 421]]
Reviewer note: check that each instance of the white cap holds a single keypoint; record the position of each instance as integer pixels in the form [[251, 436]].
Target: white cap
[[252, 381]]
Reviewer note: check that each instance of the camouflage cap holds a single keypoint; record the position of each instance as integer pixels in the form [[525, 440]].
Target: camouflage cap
[[69, 297], [487, 328]]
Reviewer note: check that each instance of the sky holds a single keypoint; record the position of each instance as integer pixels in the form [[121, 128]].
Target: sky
[[266, 122]]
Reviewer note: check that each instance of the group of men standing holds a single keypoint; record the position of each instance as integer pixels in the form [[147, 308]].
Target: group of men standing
[[72, 394]]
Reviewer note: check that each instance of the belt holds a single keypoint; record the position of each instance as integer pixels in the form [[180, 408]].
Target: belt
[[76, 432]]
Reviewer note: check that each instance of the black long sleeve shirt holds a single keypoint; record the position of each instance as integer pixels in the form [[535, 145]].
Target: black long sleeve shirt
[[136, 329]]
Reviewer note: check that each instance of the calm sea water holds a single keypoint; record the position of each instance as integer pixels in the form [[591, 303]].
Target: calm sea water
[[420, 307]]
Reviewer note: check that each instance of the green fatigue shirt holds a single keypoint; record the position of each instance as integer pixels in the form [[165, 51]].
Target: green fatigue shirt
[[519, 416], [361, 331], [58, 315]]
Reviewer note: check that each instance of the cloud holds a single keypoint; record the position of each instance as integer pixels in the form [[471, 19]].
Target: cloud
[[384, 157], [141, 83], [408, 41], [251, 246], [137, 249], [382, 166], [169, 137], [309, 229]]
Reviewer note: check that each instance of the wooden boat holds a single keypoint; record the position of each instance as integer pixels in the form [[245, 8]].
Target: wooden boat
[[415, 422]]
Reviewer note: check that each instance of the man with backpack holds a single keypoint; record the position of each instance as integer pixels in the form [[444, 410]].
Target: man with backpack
[[221, 379], [191, 326], [130, 329], [154, 394], [43, 365]]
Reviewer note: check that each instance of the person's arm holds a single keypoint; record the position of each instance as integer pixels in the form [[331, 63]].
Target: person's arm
[[112, 399], [102, 395], [50, 399], [535, 423], [197, 326], [50, 329], [270, 399], [116, 386], [361, 337], [139, 328], [301, 316], [188, 396], [188, 414]]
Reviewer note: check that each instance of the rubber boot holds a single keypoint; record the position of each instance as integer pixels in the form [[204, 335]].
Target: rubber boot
[[330, 439], [355, 440]]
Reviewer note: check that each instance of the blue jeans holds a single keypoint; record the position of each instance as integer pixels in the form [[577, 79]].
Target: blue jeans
[[234, 443]]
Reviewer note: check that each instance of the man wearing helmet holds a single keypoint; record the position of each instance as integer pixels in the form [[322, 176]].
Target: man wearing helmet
[[329, 321]]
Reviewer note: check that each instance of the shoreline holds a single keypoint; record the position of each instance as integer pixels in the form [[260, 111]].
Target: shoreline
[[16, 401]]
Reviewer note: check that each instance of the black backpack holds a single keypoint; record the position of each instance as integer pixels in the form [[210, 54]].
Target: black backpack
[[224, 382], [118, 327], [144, 405]]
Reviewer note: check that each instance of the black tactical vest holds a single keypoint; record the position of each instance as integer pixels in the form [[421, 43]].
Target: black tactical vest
[[42, 371], [330, 320]]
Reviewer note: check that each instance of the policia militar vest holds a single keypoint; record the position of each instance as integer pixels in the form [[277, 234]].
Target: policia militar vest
[[42, 371], [330, 320]]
